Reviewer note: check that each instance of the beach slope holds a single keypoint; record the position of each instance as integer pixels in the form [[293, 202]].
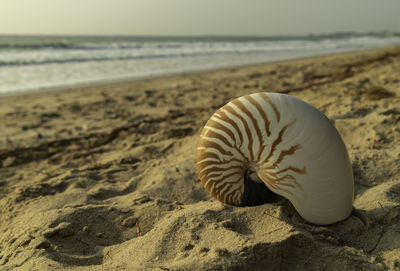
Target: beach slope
[[104, 177]]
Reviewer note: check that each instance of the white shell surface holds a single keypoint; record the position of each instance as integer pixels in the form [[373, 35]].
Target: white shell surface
[[294, 148]]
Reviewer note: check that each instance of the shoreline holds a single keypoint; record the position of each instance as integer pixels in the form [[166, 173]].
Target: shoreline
[[99, 83], [103, 177]]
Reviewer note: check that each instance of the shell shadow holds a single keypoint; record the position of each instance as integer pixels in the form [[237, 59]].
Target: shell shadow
[[256, 192]]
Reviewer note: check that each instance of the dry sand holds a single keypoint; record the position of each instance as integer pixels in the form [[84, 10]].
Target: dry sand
[[104, 178]]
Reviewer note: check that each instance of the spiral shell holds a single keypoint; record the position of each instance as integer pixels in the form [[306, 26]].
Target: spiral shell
[[294, 149]]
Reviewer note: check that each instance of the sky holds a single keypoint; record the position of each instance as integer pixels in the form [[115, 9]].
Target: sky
[[197, 17]]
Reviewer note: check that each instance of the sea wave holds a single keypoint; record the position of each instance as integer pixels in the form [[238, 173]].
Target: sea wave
[[34, 62], [58, 53], [111, 43]]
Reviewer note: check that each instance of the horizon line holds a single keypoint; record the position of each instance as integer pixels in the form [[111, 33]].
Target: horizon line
[[387, 32]]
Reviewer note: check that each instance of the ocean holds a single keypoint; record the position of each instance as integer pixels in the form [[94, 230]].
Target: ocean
[[31, 63]]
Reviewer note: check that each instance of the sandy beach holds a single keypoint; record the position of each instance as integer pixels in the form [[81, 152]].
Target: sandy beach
[[104, 177]]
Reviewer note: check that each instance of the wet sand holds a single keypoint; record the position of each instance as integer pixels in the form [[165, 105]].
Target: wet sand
[[104, 177]]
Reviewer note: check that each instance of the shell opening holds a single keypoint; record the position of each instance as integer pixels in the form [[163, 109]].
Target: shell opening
[[255, 191]]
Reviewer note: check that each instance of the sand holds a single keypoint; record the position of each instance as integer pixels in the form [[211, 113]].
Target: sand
[[104, 178]]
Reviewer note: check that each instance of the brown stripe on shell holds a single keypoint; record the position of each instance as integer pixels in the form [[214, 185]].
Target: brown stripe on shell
[[224, 117], [226, 176], [268, 100], [230, 196], [283, 153], [205, 172], [216, 191], [221, 127], [204, 163], [211, 144], [297, 170], [276, 142], [289, 177], [244, 109], [210, 163], [207, 130], [246, 128], [211, 133], [203, 153], [264, 117], [261, 112]]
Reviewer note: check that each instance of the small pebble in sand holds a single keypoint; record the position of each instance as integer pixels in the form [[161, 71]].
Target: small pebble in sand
[[85, 229]]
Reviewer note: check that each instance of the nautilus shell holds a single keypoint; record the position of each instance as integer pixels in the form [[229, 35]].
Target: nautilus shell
[[292, 147]]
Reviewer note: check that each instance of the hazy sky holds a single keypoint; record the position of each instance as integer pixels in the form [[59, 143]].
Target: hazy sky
[[197, 17]]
